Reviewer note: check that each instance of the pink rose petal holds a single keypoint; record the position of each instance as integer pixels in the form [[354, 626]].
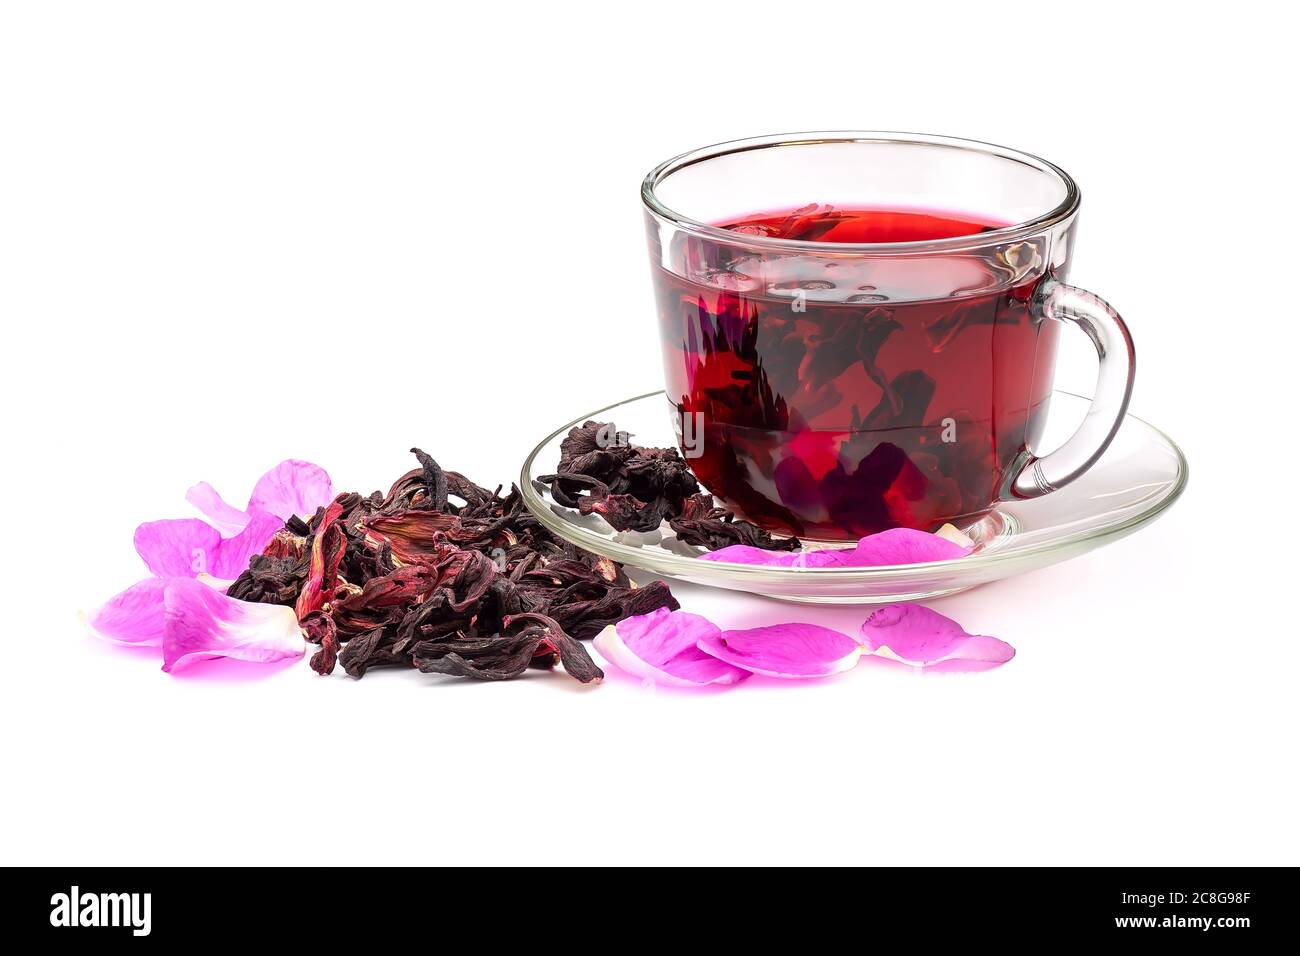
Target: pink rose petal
[[226, 518], [820, 558], [136, 616], [291, 488], [896, 546], [185, 547], [785, 650], [662, 646], [915, 634], [903, 546], [747, 554], [203, 623]]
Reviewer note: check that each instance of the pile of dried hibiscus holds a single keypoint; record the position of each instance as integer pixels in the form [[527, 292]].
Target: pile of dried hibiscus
[[637, 489], [415, 579]]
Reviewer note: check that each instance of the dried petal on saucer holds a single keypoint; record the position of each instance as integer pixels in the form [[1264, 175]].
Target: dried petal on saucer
[[662, 646], [201, 623], [785, 650], [917, 635]]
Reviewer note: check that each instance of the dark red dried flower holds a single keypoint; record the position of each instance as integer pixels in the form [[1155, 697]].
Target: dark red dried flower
[[637, 489]]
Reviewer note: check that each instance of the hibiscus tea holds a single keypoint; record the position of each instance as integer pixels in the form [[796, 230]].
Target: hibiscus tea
[[833, 396]]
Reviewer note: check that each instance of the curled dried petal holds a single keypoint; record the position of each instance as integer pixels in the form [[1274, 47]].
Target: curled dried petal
[[326, 553], [574, 658]]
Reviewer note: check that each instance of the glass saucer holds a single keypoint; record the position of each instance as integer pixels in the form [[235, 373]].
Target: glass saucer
[[1141, 474]]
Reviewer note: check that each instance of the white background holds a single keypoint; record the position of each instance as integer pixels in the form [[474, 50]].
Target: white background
[[233, 233]]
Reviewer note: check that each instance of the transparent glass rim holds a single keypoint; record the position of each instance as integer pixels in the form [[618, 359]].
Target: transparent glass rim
[[1023, 230]]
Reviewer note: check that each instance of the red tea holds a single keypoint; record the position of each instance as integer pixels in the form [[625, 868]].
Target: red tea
[[837, 396]]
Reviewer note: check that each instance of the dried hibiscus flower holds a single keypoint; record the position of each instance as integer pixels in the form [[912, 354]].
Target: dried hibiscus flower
[[637, 489], [703, 523]]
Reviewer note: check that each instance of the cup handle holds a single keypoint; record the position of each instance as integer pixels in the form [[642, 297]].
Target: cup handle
[[1059, 302]]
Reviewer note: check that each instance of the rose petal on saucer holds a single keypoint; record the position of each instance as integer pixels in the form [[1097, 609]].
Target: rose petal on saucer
[[917, 635], [202, 623], [185, 547], [748, 554], [818, 558], [895, 546], [136, 616], [785, 650], [662, 646], [904, 546]]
